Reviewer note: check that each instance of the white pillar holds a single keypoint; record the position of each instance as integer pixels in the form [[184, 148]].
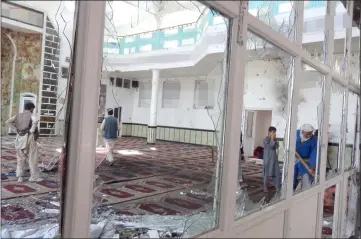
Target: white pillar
[[152, 126]]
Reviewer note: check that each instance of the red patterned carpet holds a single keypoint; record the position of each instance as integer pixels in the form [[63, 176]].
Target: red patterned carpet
[[160, 179]]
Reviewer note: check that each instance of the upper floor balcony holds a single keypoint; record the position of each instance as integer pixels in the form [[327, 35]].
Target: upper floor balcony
[[272, 12]]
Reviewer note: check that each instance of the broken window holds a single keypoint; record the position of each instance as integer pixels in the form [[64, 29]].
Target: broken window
[[350, 215], [341, 23], [164, 180], [314, 28], [31, 198], [351, 130], [328, 212], [309, 119], [269, 73], [280, 16], [333, 164]]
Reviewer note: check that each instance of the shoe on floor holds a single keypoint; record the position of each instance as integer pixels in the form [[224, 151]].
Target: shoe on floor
[[31, 179]]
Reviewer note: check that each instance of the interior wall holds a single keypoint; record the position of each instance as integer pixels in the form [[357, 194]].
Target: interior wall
[[265, 88], [27, 68], [185, 116], [120, 97]]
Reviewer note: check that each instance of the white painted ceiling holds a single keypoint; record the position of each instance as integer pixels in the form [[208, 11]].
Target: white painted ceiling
[[209, 65]]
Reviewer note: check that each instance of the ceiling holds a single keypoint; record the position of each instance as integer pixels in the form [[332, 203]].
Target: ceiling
[[209, 65]]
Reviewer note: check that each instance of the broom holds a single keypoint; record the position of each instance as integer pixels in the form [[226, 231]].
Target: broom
[[304, 164]]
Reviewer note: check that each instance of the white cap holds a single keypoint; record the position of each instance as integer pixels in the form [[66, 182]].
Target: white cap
[[307, 128]]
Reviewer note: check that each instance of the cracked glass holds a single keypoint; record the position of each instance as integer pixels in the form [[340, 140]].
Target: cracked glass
[[314, 30], [328, 212], [355, 56], [309, 129], [350, 215], [334, 149], [34, 55], [351, 131], [341, 23], [263, 159], [279, 15], [158, 157]]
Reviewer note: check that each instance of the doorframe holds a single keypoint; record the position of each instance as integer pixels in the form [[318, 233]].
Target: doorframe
[[119, 108], [88, 48], [26, 95], [255, 109]]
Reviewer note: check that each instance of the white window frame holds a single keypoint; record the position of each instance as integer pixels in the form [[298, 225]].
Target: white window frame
[[81, 141], [163, 93], [210, 94], [144, 102]]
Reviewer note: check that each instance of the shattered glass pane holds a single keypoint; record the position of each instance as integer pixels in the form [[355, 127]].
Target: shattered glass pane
[[158, 175], [351, 207], [355, 56], [328, 212], [351, 130], [333, 164], [269, 72], [340, 25], [309, 129], [279, 15], [33, 56], [314, 15]]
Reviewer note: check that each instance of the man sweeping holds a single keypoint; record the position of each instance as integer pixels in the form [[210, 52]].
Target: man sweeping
[[306, 149], [110, 128], [25, 125], [271, 168]]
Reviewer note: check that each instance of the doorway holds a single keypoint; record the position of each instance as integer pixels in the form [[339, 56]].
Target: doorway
[[255, 129], [26, 98], [118, 115]]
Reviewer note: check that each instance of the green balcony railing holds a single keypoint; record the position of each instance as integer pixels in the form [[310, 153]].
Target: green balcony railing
[[187, 34], [183, 35]]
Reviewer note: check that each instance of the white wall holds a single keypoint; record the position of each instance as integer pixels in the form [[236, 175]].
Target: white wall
[[263, 91], [184, 116], [120, 97]]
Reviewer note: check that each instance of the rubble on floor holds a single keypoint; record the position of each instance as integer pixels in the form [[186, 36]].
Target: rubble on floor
[[144, 226]]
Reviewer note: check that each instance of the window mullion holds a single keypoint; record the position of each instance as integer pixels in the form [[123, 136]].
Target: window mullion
[[81, 135]]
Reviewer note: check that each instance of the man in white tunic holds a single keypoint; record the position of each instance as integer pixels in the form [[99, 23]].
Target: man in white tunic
[[110, 128], [25, 125]]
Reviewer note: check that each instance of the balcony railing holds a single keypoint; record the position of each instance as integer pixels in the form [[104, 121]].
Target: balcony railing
[[187, 34], [173, 37]]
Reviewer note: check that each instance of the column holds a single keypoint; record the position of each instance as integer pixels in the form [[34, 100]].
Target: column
[[152, 126]]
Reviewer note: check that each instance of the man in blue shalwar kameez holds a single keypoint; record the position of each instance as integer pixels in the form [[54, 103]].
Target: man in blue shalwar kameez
[[306, 147]]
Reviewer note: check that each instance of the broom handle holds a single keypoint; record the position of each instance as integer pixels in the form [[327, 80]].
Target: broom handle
[[304, 164]]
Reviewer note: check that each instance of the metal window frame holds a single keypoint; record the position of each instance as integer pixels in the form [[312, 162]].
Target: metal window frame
[[84, 85]]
